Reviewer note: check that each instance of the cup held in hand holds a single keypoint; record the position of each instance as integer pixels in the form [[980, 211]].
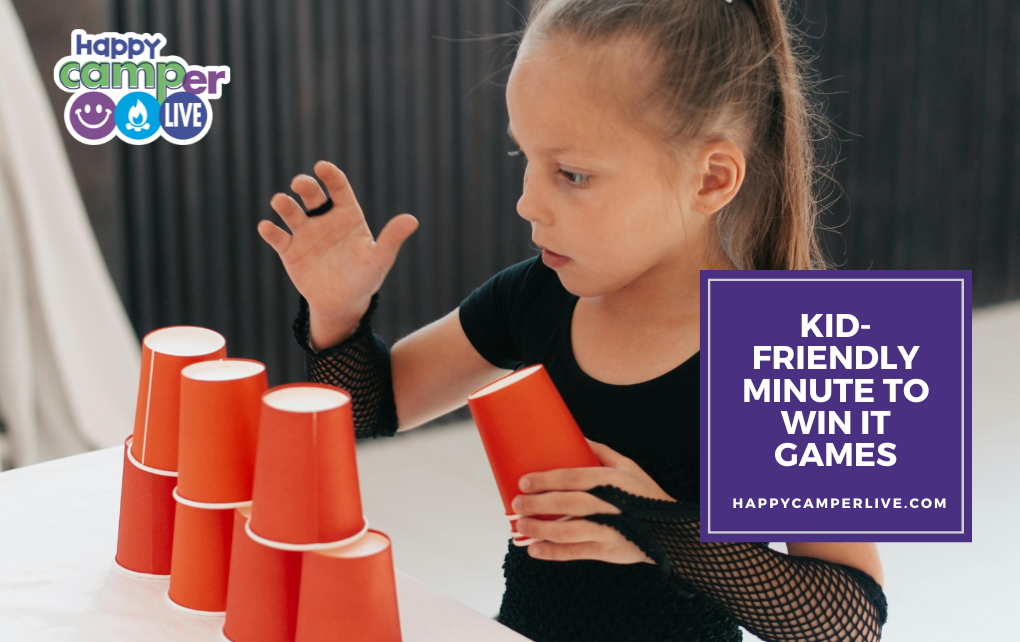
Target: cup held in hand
[[221, 401], [306, 493], [526, 427], [165, 352]]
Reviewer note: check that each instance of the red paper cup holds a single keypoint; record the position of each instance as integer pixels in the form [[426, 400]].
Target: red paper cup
[[349, 593], [306, 493], [219, 421], [145, 533], [201, 558], [526, 427], [262, 590], [165, 352]]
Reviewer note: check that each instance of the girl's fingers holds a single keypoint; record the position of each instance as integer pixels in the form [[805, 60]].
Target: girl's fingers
[[575, 530], [570, 478], [277, 238], [576, 503], [289, 211], [565, 552], [309, 190], [336, 183], [609, 457]]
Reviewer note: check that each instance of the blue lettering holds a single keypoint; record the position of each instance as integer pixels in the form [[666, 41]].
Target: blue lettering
[[119, 47], [79, 45], [154, 47], [135, 48]]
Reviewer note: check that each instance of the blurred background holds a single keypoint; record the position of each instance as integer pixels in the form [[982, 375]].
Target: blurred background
[[407, 97]]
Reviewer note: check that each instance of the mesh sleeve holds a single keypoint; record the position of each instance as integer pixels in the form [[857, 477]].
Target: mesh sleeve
[[360, 365], [777, 597]]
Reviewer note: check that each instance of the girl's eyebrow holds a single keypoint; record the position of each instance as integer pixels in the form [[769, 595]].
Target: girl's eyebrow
[[552, 151]]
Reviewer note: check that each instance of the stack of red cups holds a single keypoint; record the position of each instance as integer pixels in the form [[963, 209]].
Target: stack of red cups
[[219, 419], [307, 540], [147, 508]]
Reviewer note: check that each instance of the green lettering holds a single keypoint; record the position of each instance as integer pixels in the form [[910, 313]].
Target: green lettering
[[163, 81], [118, 69], [86, 75], [65, 75]]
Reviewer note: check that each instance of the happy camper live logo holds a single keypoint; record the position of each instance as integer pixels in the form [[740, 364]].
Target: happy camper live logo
[[123, 87]]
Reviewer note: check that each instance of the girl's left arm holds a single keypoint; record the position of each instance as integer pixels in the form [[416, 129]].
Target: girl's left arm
[[818, 592], [860, 555]]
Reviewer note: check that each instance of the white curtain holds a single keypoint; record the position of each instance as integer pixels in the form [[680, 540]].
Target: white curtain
[[69, 358]]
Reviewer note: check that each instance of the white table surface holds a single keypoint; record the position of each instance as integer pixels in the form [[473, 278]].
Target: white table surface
[[58, 537]]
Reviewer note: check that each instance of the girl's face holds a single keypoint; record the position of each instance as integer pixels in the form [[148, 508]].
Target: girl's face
[[596, 190]]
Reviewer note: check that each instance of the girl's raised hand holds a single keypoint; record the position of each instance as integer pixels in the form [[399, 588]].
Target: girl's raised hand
[[332, 259], [562, 492]]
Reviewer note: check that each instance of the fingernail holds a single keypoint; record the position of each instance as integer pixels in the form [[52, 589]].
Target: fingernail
[[520, 524], [525, 483], [536, 549], [516, 504]]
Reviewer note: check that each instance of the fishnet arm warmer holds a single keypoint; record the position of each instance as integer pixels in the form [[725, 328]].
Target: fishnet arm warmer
[[361, 366], [777, 597]]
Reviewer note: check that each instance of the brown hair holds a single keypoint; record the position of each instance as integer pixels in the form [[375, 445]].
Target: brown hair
[[725, 70]]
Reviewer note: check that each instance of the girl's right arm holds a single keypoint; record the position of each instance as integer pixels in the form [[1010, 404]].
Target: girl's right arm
[[338, 268]]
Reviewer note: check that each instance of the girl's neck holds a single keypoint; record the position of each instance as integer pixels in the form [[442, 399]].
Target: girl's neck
[[668, 293]]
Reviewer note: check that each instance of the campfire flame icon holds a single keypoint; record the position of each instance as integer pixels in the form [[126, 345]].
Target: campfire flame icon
[[137, 117]]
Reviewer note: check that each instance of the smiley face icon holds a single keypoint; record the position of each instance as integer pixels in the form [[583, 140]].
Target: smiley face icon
[[91, 116]]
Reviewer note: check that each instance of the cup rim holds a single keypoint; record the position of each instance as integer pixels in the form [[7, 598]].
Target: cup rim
[[141, 466], [314, 546], [332, 552], [200, 365], [522, 373], [208, 505], [219, 338], [527, 542], [564, 518], [306, 384]]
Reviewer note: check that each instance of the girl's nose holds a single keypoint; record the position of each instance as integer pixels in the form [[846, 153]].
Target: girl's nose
[[531, 206]]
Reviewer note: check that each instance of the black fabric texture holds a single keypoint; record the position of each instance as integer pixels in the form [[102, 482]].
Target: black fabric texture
[[522, 316], [361, 366], [773, 595]]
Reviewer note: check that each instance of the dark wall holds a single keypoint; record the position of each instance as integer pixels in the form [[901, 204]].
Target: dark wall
[[924, 96]]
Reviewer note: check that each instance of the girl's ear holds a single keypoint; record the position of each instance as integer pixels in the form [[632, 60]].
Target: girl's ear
[[718, 174]]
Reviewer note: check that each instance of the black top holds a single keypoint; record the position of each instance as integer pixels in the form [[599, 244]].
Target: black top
[[522, 316], [695, 590]]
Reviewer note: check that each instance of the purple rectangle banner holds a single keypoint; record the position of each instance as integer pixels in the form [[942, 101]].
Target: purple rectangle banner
[[836, 406]]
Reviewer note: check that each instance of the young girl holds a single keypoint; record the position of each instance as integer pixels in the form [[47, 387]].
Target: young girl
[[661, 138]]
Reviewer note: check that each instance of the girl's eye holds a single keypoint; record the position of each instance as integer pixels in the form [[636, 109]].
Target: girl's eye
[[571, 175], [572, 178]]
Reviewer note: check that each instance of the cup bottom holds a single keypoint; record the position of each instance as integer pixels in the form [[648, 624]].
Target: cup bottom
[[144, 576], [191, 611], [286, 546]]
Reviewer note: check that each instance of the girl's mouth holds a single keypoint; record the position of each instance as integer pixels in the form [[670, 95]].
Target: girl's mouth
[[553, 259]]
